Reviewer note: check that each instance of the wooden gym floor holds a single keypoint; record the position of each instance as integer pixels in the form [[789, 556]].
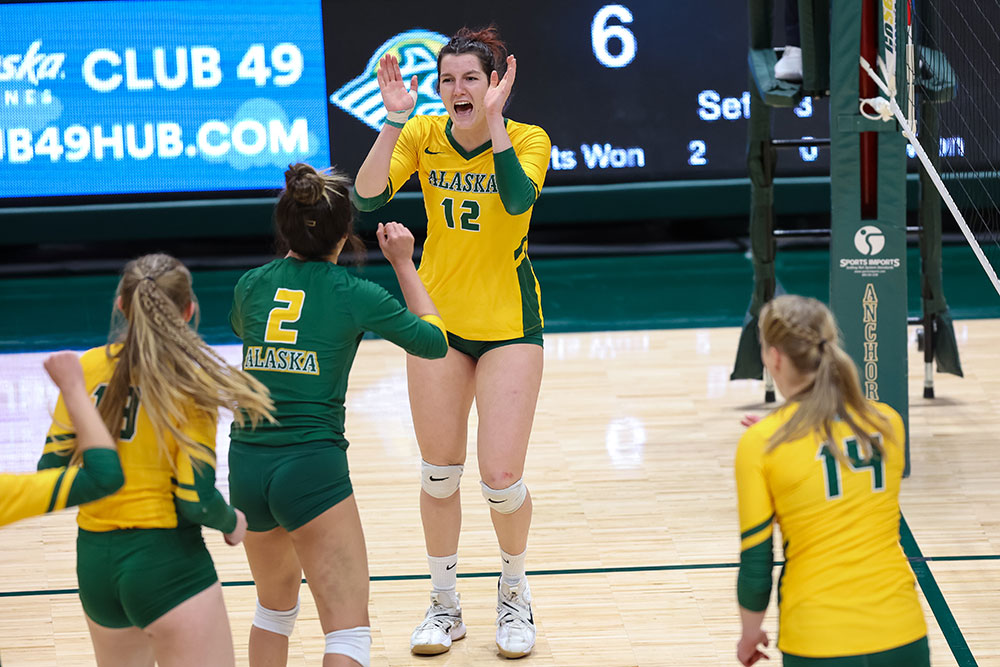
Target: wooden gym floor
[[634, 542]]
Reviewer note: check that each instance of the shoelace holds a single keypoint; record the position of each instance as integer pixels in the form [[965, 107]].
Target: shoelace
[[510, 609], [440, 617]]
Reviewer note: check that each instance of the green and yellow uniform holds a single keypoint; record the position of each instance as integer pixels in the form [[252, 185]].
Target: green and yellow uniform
[[140, 551], [31, 494], [846, 588], [301, 323], [475, 262]]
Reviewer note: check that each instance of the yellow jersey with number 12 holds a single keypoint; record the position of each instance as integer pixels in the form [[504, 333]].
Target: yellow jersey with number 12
[[475, 262]]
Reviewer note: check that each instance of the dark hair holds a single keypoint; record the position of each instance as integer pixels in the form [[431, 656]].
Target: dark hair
[[314, 213], [485, 43]]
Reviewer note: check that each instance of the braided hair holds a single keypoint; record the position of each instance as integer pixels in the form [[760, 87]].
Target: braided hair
[[179, 378], [805, 331]]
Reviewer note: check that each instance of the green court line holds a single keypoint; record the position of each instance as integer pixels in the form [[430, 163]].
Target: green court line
[[916, 562], [935, 598]]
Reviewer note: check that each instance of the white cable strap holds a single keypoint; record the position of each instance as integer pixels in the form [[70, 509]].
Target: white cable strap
[[934, 176]]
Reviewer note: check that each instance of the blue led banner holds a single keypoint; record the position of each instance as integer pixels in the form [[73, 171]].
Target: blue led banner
[[101, 98]]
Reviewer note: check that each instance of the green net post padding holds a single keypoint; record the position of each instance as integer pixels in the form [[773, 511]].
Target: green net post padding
[[868, 254], [761, 157], [937, 84], [767, 91]]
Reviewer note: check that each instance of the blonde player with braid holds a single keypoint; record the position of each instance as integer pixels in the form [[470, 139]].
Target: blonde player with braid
[[480, 174], [301, 318], [826, 467], [99, 473], [147, 582]]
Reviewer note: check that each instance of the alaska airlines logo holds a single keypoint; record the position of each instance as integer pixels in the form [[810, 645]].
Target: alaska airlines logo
[[33, 66], [417, 52]]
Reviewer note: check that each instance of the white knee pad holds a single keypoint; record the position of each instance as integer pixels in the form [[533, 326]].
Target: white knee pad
[[440, 481], [278, 622], [506, 500], [355, 643]]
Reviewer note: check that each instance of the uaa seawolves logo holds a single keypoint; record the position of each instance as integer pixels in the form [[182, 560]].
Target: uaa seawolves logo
[[869, 240], [417, 52]]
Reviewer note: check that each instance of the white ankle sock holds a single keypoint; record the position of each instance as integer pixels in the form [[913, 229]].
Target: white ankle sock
[[444, 572], [513, 567]]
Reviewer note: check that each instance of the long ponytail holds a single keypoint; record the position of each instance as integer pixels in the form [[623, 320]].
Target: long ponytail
[[804, 329], [176, 375]]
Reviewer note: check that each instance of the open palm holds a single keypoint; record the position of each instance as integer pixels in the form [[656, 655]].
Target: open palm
[[395, 97], [499, 90]]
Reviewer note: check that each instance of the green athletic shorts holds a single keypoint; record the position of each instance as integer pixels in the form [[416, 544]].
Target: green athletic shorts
[[477, 348], [133, 577], [916, 654], [287, 486]]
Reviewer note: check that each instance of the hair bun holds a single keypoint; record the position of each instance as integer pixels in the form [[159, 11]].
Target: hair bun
[[304, 183]]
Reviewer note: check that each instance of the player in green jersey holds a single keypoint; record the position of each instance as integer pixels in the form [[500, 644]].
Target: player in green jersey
[[826, 467], [480, 175], [301, 318]]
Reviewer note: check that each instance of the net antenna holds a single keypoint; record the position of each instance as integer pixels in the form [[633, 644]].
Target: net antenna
[[887, 108], [911, 97]]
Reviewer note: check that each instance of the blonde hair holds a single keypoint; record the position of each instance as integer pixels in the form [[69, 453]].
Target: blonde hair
[[805, 331], [173, 369]]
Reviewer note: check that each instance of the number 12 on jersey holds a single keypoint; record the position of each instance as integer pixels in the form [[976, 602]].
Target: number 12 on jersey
[[470, 211]]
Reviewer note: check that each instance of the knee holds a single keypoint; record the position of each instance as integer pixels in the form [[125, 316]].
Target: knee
[[278, 622], [440, 481], [506, 500], [355, 643]]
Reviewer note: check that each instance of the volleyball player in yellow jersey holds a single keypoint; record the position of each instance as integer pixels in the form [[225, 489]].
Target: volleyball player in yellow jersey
[[480, 175], [147, 582], [826, 467], [30, 494]]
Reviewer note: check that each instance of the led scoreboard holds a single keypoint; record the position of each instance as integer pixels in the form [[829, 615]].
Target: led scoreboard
[[182, 99], [133, 98], [642, 90]]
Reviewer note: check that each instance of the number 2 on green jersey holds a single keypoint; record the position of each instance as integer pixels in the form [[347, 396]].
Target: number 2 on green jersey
[[470, 212], [290, 312]]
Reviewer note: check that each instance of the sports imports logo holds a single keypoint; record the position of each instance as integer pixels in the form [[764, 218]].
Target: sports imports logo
[[869, 240], [417, 52]]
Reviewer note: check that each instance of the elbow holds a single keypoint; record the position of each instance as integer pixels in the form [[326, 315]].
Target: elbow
[[518, 207], [753, 591], [112, 480], [366, 204]]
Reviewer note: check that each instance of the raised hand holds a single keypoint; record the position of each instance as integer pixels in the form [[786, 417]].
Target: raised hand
[[499, 90], [65, 370], [395, 97], [396, 242]]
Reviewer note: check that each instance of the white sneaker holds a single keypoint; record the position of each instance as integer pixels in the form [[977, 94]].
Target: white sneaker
[[441, 625], [789, 67], [515, 622]]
